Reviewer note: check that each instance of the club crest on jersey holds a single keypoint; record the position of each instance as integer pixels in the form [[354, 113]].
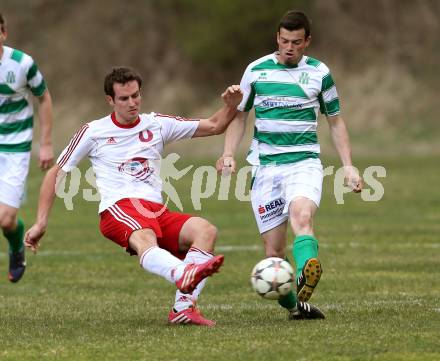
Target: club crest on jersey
[[149, 136], [304, 78], [137, 167], [10, 77]]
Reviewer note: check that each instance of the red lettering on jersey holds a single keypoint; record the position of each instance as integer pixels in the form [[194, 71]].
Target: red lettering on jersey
[[148, 138]]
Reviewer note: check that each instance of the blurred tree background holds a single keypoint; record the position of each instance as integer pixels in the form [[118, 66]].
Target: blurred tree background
[[384, 55]]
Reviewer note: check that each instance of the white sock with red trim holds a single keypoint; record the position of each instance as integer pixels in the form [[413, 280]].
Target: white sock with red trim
[[182, 300], [161, 262]]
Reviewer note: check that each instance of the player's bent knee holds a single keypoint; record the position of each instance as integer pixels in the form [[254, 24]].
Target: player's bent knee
[[198, 232], [141, 240], [8, 222]]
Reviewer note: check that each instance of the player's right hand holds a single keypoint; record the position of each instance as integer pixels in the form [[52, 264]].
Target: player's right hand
[[33, 236], [353, 179], [225, 165], [46, 157], [232, 96]]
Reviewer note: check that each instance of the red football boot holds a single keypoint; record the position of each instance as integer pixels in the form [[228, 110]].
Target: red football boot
[[189, 316], [194, 273]]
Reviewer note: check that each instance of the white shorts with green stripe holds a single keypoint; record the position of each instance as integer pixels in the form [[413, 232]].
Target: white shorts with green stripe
[[274, 187], [14, 168]]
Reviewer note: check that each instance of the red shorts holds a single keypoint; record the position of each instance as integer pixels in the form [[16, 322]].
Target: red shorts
[[127, 215]]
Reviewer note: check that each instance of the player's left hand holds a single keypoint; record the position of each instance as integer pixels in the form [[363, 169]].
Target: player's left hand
[[46, 157], [33, 236], [232, 96], [353, 179]]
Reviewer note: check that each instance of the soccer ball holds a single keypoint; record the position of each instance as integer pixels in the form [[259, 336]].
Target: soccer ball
[[272, 278]]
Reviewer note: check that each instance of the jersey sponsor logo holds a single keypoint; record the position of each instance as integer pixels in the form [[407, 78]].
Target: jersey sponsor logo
[[304, 78], [271, 210], [137, 167], [110, 140], [280, 104], [148, 138], [10, 77]]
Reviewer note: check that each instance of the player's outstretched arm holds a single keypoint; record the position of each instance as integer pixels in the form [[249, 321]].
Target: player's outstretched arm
[[341, 140], [45, 202], [46, 119], [218, 123], [233, 136]]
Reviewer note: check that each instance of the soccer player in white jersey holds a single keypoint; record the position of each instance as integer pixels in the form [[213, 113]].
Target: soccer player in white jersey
[[124, 149], [20, 81], [287, 89]]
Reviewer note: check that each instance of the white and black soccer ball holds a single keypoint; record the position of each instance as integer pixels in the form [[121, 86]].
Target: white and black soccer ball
[[272, 278]]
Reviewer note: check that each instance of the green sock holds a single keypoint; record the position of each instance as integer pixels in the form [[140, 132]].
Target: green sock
[[288, 301], [15, 238], [304, 247]]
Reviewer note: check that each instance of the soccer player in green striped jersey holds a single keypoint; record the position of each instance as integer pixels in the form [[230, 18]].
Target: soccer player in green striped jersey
[[20, 81], [287, 89]]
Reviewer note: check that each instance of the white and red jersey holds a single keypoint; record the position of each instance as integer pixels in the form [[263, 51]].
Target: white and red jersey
[[126, 158]]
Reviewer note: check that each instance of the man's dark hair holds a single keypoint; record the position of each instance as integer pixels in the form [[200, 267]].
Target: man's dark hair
[[121, 75], [2, 23], [295, 20]]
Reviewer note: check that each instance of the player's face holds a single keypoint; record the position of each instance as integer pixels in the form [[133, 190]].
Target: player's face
[[126, 102], [291, 45]]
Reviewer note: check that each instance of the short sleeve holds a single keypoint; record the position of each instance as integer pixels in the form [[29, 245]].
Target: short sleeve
[[79, 147], [35, 80], [174, 128], [247, 88], [328, 97]]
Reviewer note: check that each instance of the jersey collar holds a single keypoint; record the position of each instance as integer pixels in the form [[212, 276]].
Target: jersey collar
[[126, 126], [275, 58]]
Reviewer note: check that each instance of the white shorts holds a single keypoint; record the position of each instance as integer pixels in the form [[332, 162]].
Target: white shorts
[[274, 187], [14, 168]]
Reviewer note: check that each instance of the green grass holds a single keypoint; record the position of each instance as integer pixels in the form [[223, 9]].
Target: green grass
[[82, 298]]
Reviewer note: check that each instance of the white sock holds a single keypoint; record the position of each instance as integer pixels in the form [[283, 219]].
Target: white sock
[[161, 262], [182, 300]]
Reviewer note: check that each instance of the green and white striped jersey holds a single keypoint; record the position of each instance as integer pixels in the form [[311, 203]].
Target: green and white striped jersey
[[286, 100], [20, 79]]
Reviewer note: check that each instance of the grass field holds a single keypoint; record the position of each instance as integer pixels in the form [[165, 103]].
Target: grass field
[[82, 298]]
